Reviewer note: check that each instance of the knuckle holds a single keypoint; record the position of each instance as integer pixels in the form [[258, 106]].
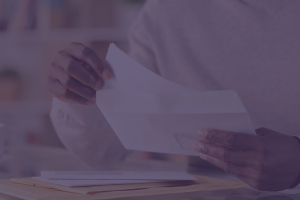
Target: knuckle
[[67, 81], [70, 66], [86, 52], [225, 155], [205, 149], [212, 135], [229, 139]]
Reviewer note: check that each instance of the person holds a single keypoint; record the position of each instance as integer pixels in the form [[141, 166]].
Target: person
[[251, 46]]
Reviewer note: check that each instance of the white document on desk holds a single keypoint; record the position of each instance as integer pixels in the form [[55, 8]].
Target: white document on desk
[[150, 113], [117, 175], [88, 178], [91, 182]]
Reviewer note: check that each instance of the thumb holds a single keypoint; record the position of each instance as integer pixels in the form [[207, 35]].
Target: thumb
[[262, 131]]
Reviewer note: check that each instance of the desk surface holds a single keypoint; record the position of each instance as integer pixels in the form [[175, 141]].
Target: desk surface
[[30, 160]]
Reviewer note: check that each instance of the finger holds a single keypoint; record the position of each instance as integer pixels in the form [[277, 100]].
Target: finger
[[64, 94], [229, 168], [222, 153], [262, 131], [247, 174], [74, 85], [75, 69], [259, 185], [230, 139], [247, 180], [87, 55]]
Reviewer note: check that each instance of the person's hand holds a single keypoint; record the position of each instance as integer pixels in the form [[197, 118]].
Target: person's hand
[[76, 73], [268, 161]]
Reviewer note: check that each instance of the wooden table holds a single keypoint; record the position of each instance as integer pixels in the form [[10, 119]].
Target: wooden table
[[27, 161]]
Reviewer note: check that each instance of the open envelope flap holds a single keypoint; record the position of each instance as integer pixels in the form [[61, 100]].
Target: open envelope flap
[[189, 102], [130, 75]]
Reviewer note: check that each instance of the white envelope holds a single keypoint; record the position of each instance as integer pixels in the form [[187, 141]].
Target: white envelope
[[150, 113]]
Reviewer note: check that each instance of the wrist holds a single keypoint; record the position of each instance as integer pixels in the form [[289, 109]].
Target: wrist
[[297, 181]]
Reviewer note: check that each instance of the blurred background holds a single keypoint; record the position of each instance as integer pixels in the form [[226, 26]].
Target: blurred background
[[31, 32]]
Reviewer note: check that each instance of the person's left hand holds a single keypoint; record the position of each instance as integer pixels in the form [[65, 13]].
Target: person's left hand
[[268, 161]]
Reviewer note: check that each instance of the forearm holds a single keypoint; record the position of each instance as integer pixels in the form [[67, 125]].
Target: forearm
[[86, 133]]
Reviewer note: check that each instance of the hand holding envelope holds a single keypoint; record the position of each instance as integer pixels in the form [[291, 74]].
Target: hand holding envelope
[[150, 113]]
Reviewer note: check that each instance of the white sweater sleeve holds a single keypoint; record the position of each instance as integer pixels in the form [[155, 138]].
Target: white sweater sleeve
[[83, 129], [85, 132]]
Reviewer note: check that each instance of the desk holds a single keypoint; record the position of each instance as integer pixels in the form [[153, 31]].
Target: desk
[[30, 160]]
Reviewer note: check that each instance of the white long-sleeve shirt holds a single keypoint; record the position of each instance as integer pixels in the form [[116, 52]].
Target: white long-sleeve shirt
[[251, 46]]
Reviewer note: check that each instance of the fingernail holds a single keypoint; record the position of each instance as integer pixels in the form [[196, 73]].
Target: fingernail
[[99, 85], [202, 133], [196, 147], [106, 74], [90, 102]]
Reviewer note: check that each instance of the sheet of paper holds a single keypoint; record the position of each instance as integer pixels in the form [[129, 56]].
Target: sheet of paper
[[86, 182], [117, 175], [150, 113]]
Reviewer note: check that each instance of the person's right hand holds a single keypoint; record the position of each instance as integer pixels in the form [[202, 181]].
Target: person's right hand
[[76, 73]]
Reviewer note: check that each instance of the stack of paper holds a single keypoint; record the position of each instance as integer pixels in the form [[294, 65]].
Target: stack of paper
[[115, 180], [87, 178], [35, 189]]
